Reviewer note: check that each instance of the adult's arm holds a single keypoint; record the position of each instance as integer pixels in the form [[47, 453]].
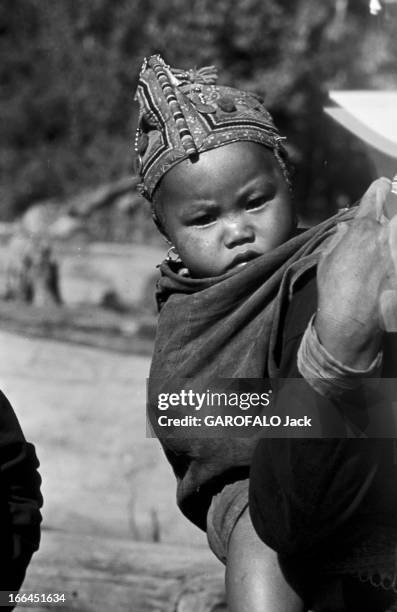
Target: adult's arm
[[307, 494], [352, 274]]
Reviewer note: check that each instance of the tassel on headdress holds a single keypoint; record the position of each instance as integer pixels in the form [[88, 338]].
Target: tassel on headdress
[[208, 75]]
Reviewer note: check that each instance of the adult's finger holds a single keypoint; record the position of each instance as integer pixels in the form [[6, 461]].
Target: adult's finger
[[393, 242], [390, 208], [374, 198], [332, 243], [388, 298]]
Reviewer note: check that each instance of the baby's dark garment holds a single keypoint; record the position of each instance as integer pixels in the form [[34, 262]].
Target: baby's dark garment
[[223, 327]]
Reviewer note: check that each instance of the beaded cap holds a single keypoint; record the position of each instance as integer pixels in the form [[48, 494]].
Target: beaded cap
[[184, 113]]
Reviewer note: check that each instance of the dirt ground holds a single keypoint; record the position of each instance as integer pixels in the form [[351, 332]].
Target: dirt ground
[[84, 409]]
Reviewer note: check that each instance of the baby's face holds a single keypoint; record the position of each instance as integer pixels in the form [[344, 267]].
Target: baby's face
[[225, 209]]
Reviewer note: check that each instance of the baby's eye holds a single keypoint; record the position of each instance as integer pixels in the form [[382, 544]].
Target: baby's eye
[[255, 203], [204, 219]]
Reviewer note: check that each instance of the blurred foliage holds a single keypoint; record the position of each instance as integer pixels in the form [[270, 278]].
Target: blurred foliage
[[69, 70]]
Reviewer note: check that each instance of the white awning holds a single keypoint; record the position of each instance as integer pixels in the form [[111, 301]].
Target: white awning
[[370, 115]]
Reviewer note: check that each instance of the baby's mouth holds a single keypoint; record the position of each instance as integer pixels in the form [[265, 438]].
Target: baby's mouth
[[242, 259]]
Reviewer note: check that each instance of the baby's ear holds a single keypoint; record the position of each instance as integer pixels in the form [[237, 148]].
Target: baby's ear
[[160, 227], [155, 206]]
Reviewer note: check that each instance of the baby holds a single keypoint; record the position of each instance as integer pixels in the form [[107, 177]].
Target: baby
[[214, 168]]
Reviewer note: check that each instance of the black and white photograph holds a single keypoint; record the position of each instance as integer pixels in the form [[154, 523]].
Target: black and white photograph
[[198, 305]]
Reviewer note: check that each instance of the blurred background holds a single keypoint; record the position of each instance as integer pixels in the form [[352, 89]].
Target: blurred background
[[69, 71], [78, 251]]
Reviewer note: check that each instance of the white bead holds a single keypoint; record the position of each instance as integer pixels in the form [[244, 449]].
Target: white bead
[[375, 7]]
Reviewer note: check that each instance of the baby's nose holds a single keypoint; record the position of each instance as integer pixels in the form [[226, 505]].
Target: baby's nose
[[238, 231]]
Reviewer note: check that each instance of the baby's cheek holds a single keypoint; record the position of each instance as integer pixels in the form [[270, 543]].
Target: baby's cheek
[[201, 255], [280, 228], [192, 248]]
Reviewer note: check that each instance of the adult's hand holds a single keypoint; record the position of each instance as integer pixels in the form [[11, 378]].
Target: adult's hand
[[352, 274]]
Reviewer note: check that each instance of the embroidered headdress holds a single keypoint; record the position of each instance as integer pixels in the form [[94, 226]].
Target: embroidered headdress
[[184, 113]]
